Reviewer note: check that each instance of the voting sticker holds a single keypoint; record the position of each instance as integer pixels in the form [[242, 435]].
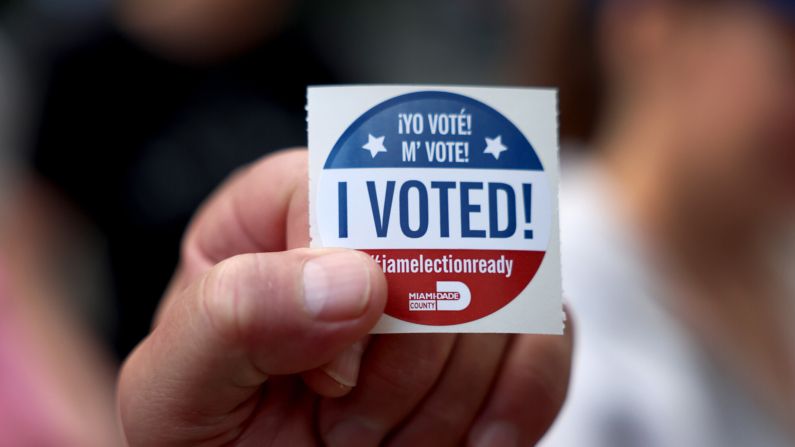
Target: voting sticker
[[453, 192]]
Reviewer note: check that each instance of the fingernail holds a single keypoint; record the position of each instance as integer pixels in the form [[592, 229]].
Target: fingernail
[[345, 367], [336, 286], [353, 431], [498, 434]]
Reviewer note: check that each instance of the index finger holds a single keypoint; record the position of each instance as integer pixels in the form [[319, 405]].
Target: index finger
[[261, 208]]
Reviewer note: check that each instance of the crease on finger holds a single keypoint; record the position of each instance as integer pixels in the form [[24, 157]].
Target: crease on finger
[[231, 331]]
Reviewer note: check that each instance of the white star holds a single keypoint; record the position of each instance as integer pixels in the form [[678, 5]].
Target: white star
[[375, 145], [494, 147]]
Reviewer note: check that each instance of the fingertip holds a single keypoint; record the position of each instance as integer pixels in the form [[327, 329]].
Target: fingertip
[[323, 384], [497, 433], [324, 298], [337, 286], [337, 377]]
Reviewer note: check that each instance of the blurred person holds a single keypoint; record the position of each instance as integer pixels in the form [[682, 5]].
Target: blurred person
[[203, 374], [56, 380], [552, 45], [137, 138], [202, 31], [277, 371], [672, 230], [170, 96]]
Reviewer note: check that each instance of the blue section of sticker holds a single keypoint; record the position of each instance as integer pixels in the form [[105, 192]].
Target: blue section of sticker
[[433, 130]]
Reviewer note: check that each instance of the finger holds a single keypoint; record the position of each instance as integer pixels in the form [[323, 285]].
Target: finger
[[284, 416], [337, 377], [262, 208], [396, 373], [197, 375], [447, 412], [528, 393]]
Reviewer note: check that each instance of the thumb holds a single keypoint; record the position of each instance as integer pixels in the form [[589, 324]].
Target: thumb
[[197, 375]]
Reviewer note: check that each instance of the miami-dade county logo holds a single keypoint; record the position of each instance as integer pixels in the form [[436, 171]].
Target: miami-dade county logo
[[447, 195]]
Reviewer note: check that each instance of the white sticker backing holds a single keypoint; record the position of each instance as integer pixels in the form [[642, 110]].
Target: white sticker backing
[[453, 191]]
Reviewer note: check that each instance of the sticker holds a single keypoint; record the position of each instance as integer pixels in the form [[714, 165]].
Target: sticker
[[453, 192]]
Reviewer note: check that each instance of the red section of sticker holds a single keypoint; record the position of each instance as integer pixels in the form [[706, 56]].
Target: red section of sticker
[[445, 287]]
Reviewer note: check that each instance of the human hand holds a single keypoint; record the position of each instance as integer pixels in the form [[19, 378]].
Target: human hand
[[259, 342]]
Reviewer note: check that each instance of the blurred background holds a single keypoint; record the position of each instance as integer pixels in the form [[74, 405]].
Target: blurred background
[[117, 118], [677, 122], [133, 112]]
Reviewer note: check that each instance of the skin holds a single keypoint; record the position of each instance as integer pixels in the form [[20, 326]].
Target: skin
[[70, 378], [234, 358], [698, 142], [201, 31]]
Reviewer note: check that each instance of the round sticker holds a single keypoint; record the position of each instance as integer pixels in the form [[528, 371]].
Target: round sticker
[[447, 195]]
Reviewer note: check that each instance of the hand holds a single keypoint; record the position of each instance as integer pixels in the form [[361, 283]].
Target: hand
[[260, 342]]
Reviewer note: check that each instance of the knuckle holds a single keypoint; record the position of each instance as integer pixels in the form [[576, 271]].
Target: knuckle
[[538, 383], [222, 297], [414, 366]]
